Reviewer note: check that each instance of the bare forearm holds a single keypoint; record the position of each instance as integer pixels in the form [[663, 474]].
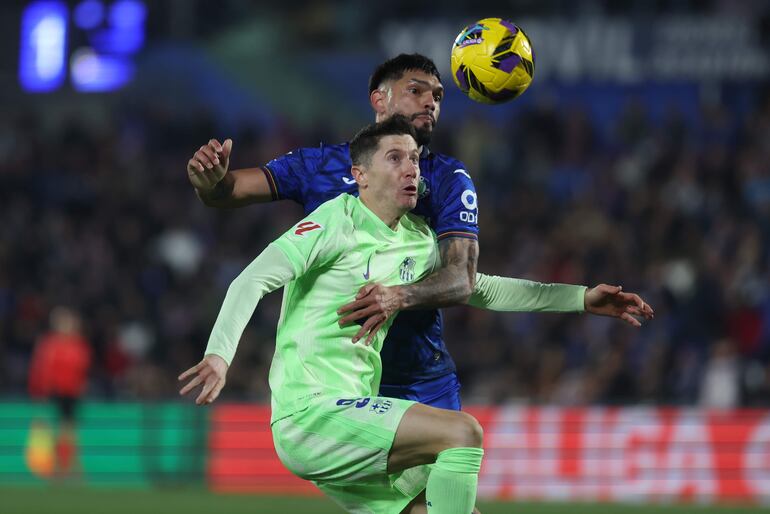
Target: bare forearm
[[237, 188], [448, 286], [452, 284]]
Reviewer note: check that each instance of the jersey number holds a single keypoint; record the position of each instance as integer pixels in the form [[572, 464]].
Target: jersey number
[[360, 402], [306, 226]]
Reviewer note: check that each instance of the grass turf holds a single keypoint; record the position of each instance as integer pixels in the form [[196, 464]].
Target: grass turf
[[81, 500]]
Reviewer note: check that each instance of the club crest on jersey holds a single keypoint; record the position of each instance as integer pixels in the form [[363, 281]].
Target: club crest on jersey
[[381, 406], [307, 226], [422, 188], [406, 270]]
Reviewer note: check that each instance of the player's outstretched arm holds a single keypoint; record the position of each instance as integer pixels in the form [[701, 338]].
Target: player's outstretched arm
[[518, 295], [268, 272], [451, 284], [507, 294], [217, 186]]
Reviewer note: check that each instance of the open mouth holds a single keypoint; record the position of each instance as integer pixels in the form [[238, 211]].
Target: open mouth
[[411, 190]]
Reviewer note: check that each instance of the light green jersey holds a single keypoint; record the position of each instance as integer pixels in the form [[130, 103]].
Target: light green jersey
[[336, 250], [333, 252]]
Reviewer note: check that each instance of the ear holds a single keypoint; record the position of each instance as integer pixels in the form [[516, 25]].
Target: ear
[[359, 174], [377, 100]]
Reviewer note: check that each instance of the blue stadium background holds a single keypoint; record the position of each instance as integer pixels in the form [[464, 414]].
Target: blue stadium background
[[639, 156]]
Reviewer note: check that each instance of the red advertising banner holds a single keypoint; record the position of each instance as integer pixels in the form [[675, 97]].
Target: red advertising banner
[[605, 454], [242, 457]]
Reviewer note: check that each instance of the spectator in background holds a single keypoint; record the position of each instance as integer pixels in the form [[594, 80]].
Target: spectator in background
[[103, 234], [59, 372], [720, 385]]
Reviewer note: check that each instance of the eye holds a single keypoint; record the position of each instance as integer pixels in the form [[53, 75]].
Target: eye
[[414, 90], [438, 98]]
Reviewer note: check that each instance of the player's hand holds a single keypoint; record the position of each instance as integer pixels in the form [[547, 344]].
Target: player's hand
[[375, 304], [606, 300], [210, 372], [209, 164]]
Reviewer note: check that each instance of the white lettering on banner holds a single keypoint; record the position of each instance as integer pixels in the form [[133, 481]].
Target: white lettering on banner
[[626, 454], [756, 460], [602, 455], [551, 484], [638, 433], [689, 461], [504, 444], [591, 454], [539, 476]]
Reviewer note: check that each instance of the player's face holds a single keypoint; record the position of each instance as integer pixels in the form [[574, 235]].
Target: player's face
[[417, 95], [395, 171]]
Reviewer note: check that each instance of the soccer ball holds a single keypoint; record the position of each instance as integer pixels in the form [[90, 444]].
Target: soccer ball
[[492, 61]]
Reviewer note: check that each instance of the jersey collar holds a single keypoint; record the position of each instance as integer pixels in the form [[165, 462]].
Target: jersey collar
[[375, 223]]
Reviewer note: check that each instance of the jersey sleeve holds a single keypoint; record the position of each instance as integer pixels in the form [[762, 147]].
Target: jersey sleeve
[[269, 271], [517, 295], [319, 238], [287, 174], [456, 208]]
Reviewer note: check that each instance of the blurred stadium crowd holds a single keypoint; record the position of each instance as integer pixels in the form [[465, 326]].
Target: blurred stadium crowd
[[106, 222], [100, 217]]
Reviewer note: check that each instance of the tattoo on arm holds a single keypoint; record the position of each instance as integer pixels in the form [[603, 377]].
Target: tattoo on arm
[[452, 283]]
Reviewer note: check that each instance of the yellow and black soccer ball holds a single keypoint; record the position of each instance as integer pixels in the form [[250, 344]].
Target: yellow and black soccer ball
[[492, 61]]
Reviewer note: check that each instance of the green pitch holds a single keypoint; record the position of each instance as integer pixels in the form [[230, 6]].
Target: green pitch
[[74, 500]]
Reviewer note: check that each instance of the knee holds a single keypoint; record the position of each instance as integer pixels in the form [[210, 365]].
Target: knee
[[465, 432]]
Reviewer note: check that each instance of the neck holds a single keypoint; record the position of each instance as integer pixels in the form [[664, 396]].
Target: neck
[[387, 213]]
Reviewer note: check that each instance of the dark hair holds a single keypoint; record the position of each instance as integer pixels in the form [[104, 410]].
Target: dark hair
[[393, 69], [365, 143]]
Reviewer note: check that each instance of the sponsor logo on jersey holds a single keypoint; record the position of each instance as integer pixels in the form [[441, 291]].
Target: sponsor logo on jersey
[[469, 200], [406, 270], [307, 226], [349, 181], [366, 274]]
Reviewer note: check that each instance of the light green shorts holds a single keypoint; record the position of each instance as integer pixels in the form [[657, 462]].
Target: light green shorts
[[342, 445]]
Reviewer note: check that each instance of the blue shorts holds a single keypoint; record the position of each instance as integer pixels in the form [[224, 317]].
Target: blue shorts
[[442, 392]]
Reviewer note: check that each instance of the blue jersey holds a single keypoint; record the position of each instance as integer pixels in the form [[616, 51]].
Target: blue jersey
[[414, 349]]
